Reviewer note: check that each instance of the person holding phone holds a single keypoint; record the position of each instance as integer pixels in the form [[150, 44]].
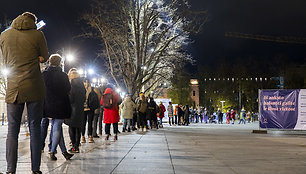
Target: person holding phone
[[23, 47]]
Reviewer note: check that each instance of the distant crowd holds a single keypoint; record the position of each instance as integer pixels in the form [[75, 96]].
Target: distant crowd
[[229, 117]]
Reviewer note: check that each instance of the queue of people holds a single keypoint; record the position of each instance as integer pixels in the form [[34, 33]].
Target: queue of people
[[55, 98]]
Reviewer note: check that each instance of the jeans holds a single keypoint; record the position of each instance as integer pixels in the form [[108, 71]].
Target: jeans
[[161, 121], [75, 136], [197, 118], [88, 116], [175, 119], [57, 135], [14, 114], [242, 120], [44, 132], [107, 128], [127, 122]]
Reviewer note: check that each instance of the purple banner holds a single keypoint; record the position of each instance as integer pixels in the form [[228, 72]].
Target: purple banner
[[278, 108]]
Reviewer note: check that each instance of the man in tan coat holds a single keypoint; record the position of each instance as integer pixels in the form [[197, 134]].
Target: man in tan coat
[[23, 47]]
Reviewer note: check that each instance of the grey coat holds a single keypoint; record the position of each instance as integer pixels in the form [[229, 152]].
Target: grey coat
[[127, 108]]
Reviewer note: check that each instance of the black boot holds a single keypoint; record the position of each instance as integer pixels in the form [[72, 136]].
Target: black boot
[[123, 130], [67, 155], [36, 172], [52, 156]]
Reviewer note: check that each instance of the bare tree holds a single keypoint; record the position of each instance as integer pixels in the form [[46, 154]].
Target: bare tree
[[143, 39], [4, 24]]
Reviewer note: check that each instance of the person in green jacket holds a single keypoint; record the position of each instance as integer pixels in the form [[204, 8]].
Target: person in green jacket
[[23, 47]]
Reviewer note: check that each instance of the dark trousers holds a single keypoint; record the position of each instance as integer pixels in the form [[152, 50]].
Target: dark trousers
[[220, 119], [14, 114], [142, 120], [175, 119], [171, 121], [100, 121], [88, 118], [134, 120], [95, 124], [75, 136], [107, 128]]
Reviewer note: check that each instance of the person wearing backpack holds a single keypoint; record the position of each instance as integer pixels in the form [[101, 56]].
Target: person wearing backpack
[[97, 115], [92, 104], [110, 101]]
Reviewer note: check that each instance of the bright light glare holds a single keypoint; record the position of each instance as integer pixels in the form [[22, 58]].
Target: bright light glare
[[94, 80], [81, 71], [5, 71], [70, 57], [103, 80], [118, 90], [91, 71]]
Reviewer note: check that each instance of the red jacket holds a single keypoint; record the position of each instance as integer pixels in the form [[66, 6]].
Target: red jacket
[[162, 109], [111, 115]]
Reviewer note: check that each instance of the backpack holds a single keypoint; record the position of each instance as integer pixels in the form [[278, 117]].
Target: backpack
[[108, 101], [93, 100]]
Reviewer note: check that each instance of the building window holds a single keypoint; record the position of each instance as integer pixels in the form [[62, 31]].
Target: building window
[[193, 93]]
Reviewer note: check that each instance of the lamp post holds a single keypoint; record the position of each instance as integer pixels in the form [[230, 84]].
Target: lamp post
[[222, 106], [69, 58], [5, 72]]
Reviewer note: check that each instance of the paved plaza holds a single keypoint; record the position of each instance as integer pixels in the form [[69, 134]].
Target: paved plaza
[[198, 148]]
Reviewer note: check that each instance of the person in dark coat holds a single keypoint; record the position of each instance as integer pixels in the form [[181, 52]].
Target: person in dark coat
[[151, 113], [186, 115], [57, 104], [77, 98], [180, 114]]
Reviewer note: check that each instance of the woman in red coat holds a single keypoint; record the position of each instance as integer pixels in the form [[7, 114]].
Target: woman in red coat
[[111, 112]]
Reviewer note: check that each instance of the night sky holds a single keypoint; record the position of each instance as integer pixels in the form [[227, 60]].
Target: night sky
[[268, 17]]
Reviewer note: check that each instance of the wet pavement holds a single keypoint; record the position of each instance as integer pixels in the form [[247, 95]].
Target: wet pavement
[[198, 148]]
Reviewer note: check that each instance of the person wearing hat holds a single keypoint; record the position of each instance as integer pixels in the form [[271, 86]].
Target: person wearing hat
[[242, 116]]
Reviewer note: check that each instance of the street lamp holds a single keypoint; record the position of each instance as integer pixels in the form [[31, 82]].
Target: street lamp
[[81, 72], [222, 105], [70, 57], [94, 80], [91, 71], [5, 72], [103, 80]]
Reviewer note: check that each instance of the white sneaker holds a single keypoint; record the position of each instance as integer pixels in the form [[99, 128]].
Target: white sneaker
[[145, 129]]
